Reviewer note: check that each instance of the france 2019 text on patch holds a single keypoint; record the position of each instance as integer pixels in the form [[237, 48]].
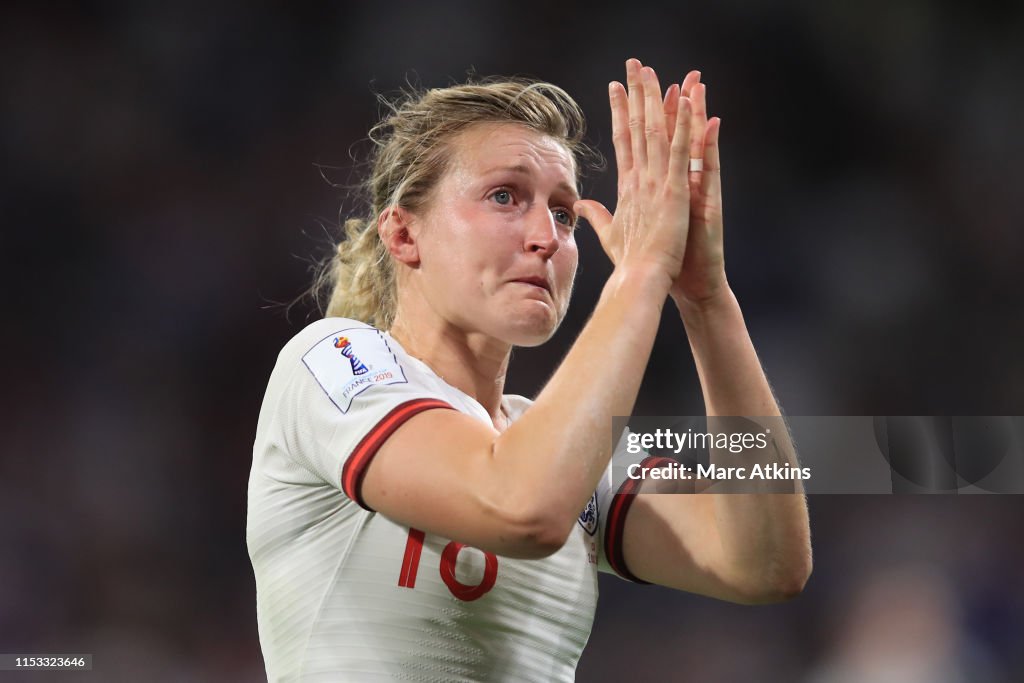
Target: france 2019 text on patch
[[350, 361]]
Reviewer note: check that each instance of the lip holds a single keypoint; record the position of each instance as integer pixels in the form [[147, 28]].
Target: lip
[[539, 282]]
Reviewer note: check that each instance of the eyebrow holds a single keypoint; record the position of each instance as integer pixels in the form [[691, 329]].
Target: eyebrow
[[523, 170]]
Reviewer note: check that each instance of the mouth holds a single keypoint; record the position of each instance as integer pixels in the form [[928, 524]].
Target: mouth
[[539, 282]]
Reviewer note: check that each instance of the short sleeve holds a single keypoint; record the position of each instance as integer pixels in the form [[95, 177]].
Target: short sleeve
[[614, 500], [350, 393]]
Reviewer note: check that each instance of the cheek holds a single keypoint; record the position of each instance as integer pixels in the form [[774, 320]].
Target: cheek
[[458, 246], [567, 259], [481, 236]]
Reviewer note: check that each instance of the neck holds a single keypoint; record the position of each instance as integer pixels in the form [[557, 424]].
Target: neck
[[473, 363]]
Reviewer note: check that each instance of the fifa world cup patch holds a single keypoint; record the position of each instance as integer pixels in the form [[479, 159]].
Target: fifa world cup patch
[[350, 361], [588, 518]]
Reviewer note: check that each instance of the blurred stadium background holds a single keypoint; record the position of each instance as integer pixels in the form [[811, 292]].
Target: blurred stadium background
[[163, 196]]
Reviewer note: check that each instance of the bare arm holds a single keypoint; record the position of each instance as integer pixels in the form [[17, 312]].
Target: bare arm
[[749, 547], [740, 547], [518, 493]]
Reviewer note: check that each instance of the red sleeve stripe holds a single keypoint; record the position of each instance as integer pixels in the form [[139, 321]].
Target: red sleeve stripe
[[355, 467], [613, 532]]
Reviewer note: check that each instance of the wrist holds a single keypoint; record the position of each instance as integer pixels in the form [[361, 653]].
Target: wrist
[[641, 279], [696, 310]]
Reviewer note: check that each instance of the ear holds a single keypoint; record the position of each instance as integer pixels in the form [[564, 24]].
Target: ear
[[397, 231]]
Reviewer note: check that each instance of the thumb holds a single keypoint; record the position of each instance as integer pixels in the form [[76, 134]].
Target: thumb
[[594, 212]]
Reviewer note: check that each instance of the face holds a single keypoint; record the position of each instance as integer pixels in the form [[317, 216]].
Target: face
[[497, 251]]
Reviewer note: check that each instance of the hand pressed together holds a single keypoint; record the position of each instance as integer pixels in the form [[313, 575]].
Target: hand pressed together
[[667, 214]]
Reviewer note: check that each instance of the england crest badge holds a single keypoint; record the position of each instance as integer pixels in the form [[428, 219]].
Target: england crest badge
[[588, 518]]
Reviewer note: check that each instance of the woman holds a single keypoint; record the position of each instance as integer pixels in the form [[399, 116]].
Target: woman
[[406, 518]]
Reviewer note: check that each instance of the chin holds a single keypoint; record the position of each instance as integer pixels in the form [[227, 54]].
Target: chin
[[527, 340], [531, 327]]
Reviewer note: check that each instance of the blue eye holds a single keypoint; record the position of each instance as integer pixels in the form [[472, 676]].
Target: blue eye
[[503, 197], [563, 216]]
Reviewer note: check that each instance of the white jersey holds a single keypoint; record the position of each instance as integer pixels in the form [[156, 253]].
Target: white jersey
[[345, 594]]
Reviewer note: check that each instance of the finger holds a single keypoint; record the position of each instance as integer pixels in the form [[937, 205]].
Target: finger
[[654, 128], [698, 126], [679, 160], [620, 129], [691, 79], [600, 220], [593, 212], [711, 180], [671, 106], [636, 113]]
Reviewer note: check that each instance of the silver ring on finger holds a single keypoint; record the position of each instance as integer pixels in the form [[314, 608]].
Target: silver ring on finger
[[696, 165]]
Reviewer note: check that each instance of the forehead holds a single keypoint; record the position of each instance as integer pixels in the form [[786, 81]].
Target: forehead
[[487, 147]]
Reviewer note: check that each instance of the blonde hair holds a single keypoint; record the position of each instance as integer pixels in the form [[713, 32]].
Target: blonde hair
[[411, 152]]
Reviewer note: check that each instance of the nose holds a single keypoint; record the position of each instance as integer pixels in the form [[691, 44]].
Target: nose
[[541, 233]]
